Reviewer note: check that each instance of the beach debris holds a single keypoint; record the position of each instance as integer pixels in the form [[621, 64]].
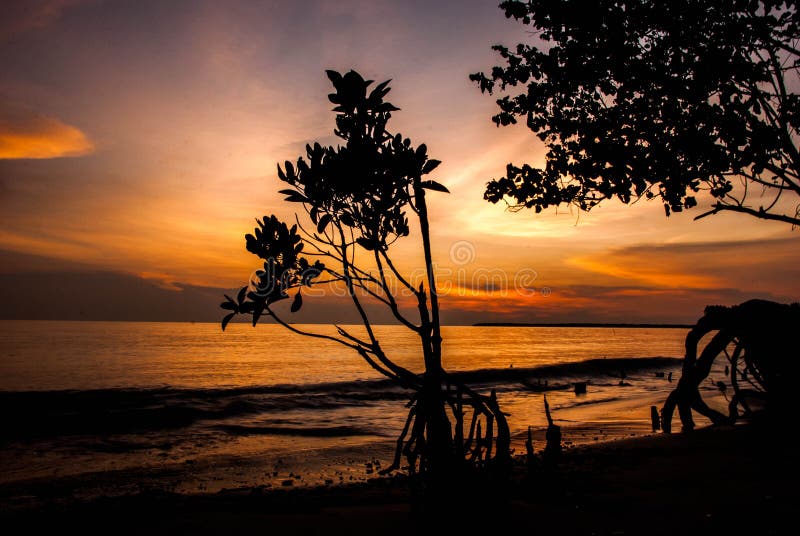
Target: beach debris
[[540, 386], [530, 456], [655, 418], [622, 377], [660, 374], [580, 388], [763, 336]]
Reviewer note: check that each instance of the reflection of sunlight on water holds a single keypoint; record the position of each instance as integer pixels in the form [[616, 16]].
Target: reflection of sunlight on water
[[90, 355]]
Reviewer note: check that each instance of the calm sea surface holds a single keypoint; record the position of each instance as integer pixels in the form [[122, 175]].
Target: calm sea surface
[[39, 355]]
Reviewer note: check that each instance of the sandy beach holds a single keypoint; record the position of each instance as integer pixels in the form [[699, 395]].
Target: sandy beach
[[725, 480]]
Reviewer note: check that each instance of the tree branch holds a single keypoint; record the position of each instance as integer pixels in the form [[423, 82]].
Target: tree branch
[[751, 211], [309, 333], [397, 274], [399, 371], [392, 302]]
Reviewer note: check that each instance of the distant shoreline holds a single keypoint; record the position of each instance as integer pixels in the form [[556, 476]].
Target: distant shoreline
[[578, 325], [478, 324]]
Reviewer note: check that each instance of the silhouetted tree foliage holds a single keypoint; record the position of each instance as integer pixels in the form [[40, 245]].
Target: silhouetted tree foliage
[[635, 98], [356, 198]]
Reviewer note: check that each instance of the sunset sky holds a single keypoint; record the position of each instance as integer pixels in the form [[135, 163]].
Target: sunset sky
[[138, 142]]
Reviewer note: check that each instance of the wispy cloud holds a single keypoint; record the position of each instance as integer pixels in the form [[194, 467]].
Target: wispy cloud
[[642, 270], [23, 15], [700, 265]]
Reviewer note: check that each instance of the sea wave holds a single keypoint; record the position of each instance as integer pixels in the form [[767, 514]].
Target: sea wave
[[314, 431], [36, 414]]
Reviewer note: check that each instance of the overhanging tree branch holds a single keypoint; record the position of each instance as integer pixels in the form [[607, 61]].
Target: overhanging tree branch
[[630, 107], [719, 207]]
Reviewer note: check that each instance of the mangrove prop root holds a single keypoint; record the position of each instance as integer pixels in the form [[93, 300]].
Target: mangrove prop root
[[764, 336], [487, 442]]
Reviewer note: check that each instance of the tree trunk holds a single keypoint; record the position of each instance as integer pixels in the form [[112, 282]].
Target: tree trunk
[[440, 451]]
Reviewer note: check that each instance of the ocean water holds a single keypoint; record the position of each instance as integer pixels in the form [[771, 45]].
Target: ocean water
[[42, 356], [185, 406]]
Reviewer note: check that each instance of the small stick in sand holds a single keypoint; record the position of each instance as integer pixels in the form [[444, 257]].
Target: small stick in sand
[[655, 418], [552, 449], [529, 454]]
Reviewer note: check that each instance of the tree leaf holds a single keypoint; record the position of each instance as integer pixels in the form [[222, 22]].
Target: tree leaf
[[430, 165], [296, 198], [257, 314], [226, 320], [297, 303], [334, 77], [347, 219], [433, 185], [364, 243], [323, 223]]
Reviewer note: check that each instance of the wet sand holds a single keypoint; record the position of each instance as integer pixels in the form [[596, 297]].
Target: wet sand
[[732, 480], [206, 459], [73, 468]]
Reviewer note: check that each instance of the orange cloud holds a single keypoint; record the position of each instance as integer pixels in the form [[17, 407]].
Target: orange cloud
[[644, 269], [40, 137]]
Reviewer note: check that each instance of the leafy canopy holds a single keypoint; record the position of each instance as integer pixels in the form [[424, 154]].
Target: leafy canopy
[[355, 194], [635, 98], [365, 184]]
